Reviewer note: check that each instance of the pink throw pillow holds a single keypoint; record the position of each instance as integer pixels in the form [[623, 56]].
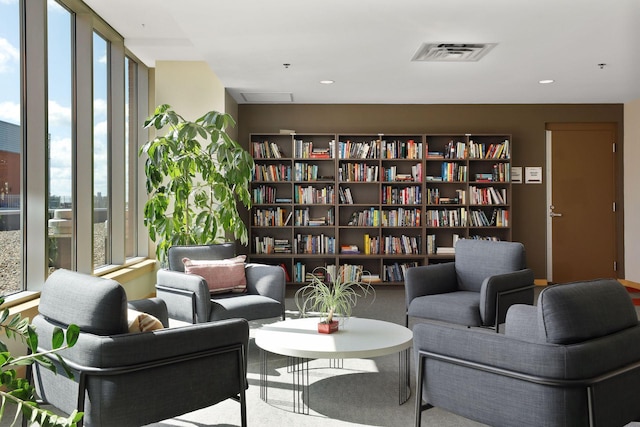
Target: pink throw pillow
[[224, 275]]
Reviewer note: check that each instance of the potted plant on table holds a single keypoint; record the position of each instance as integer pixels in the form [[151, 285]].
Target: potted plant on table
[[332, 295], [196, 175]]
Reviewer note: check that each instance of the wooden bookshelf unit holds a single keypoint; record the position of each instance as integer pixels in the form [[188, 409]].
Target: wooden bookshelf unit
[[383, 202]]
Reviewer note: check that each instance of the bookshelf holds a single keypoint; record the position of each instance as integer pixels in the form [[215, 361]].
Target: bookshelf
[[383, 202]]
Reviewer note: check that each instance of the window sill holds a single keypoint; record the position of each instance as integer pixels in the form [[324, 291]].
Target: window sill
[[27, 300]]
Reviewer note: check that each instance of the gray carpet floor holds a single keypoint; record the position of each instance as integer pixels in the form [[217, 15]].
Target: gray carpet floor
[[363, 393]]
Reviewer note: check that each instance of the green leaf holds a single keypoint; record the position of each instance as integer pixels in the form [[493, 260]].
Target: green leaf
[[57, 338], [32, 339], [73, 333]]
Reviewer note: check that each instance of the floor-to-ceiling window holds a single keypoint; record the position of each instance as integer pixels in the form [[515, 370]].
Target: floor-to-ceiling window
[[101, 238], [69, 106], [131, 154], [60, 136], [10, 149]]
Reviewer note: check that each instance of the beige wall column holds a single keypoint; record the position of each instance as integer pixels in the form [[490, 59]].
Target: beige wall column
[[631, 191]]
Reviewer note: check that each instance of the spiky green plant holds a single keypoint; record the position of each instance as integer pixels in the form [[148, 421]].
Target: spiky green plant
[[17, 391], [333, 296]]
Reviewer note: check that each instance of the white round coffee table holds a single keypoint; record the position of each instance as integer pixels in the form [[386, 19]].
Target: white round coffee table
[[357, 338]]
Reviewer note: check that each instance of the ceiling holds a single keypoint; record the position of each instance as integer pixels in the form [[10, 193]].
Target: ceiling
[[367, 46]]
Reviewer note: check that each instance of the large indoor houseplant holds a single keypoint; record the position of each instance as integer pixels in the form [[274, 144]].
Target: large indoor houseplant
[[196, 173], [18, 392], [332, 293]]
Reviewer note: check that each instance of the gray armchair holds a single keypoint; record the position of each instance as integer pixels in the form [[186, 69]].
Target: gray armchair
[[188, 298], [572, 360], [474, 290], [133, 379]]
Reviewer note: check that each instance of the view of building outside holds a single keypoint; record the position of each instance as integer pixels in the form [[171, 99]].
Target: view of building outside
[[10, 149], [101, 255], [60, 177], [131, 156]]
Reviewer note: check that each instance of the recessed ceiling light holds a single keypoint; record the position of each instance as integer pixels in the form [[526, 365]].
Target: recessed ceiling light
[[546, 82], [327, 82]]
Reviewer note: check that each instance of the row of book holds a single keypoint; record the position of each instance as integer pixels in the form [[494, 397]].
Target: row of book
[[390, 174], [345, 195], [279, 172], [266, 150], [358, 172], [270, 245], [387, 218], [304, 219], [308, 172], [434, 197], [359, 150], [499, 218], [407, 245], [306, 150], [312, 195], [314, 244], [433, 249], [401, 217], [263, 194], [401, 149], [487, 195], [395, 272], [410, 195], [392, 245], [271, 217], [382, 149], [460, 217]]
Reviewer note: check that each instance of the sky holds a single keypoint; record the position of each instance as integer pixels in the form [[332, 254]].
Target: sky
[[59, 87]]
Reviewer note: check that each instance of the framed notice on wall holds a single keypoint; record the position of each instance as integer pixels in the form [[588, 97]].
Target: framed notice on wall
[[533, 175], [516, 174]]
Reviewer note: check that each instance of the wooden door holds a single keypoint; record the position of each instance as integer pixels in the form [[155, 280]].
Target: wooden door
[[581, 239]]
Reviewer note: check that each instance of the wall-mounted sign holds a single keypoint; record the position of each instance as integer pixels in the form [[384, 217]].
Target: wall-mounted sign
[[533, 175], [516, 174]]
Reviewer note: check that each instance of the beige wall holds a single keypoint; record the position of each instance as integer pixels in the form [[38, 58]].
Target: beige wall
[[631, 191], [190, 87]]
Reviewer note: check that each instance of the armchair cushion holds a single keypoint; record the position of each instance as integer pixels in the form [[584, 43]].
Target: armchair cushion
[[142, 322], [476, 260], [201, 252], [577, 312], [224, 275], [102, 311]]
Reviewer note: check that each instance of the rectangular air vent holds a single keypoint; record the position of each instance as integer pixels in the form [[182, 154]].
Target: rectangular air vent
[[276, 97], [452, 52]]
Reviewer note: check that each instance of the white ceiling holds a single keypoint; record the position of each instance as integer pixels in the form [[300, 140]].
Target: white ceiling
[[366, 47]]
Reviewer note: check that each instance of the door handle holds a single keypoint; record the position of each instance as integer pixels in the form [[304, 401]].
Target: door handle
[[552, 214]]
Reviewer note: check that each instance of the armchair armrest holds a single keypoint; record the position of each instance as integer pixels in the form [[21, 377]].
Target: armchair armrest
[[266, 280], [429, 280], [186, 295], [498, 288]]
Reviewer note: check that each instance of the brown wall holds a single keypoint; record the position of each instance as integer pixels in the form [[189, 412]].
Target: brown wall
[[526, 123]]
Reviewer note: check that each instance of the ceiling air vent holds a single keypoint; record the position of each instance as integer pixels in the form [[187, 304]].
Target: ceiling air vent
[[452, 52]]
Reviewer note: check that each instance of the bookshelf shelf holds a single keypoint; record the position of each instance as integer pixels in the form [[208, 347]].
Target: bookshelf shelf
[[383, 202]]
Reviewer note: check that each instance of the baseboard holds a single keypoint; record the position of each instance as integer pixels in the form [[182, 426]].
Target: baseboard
[[629, 284]]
